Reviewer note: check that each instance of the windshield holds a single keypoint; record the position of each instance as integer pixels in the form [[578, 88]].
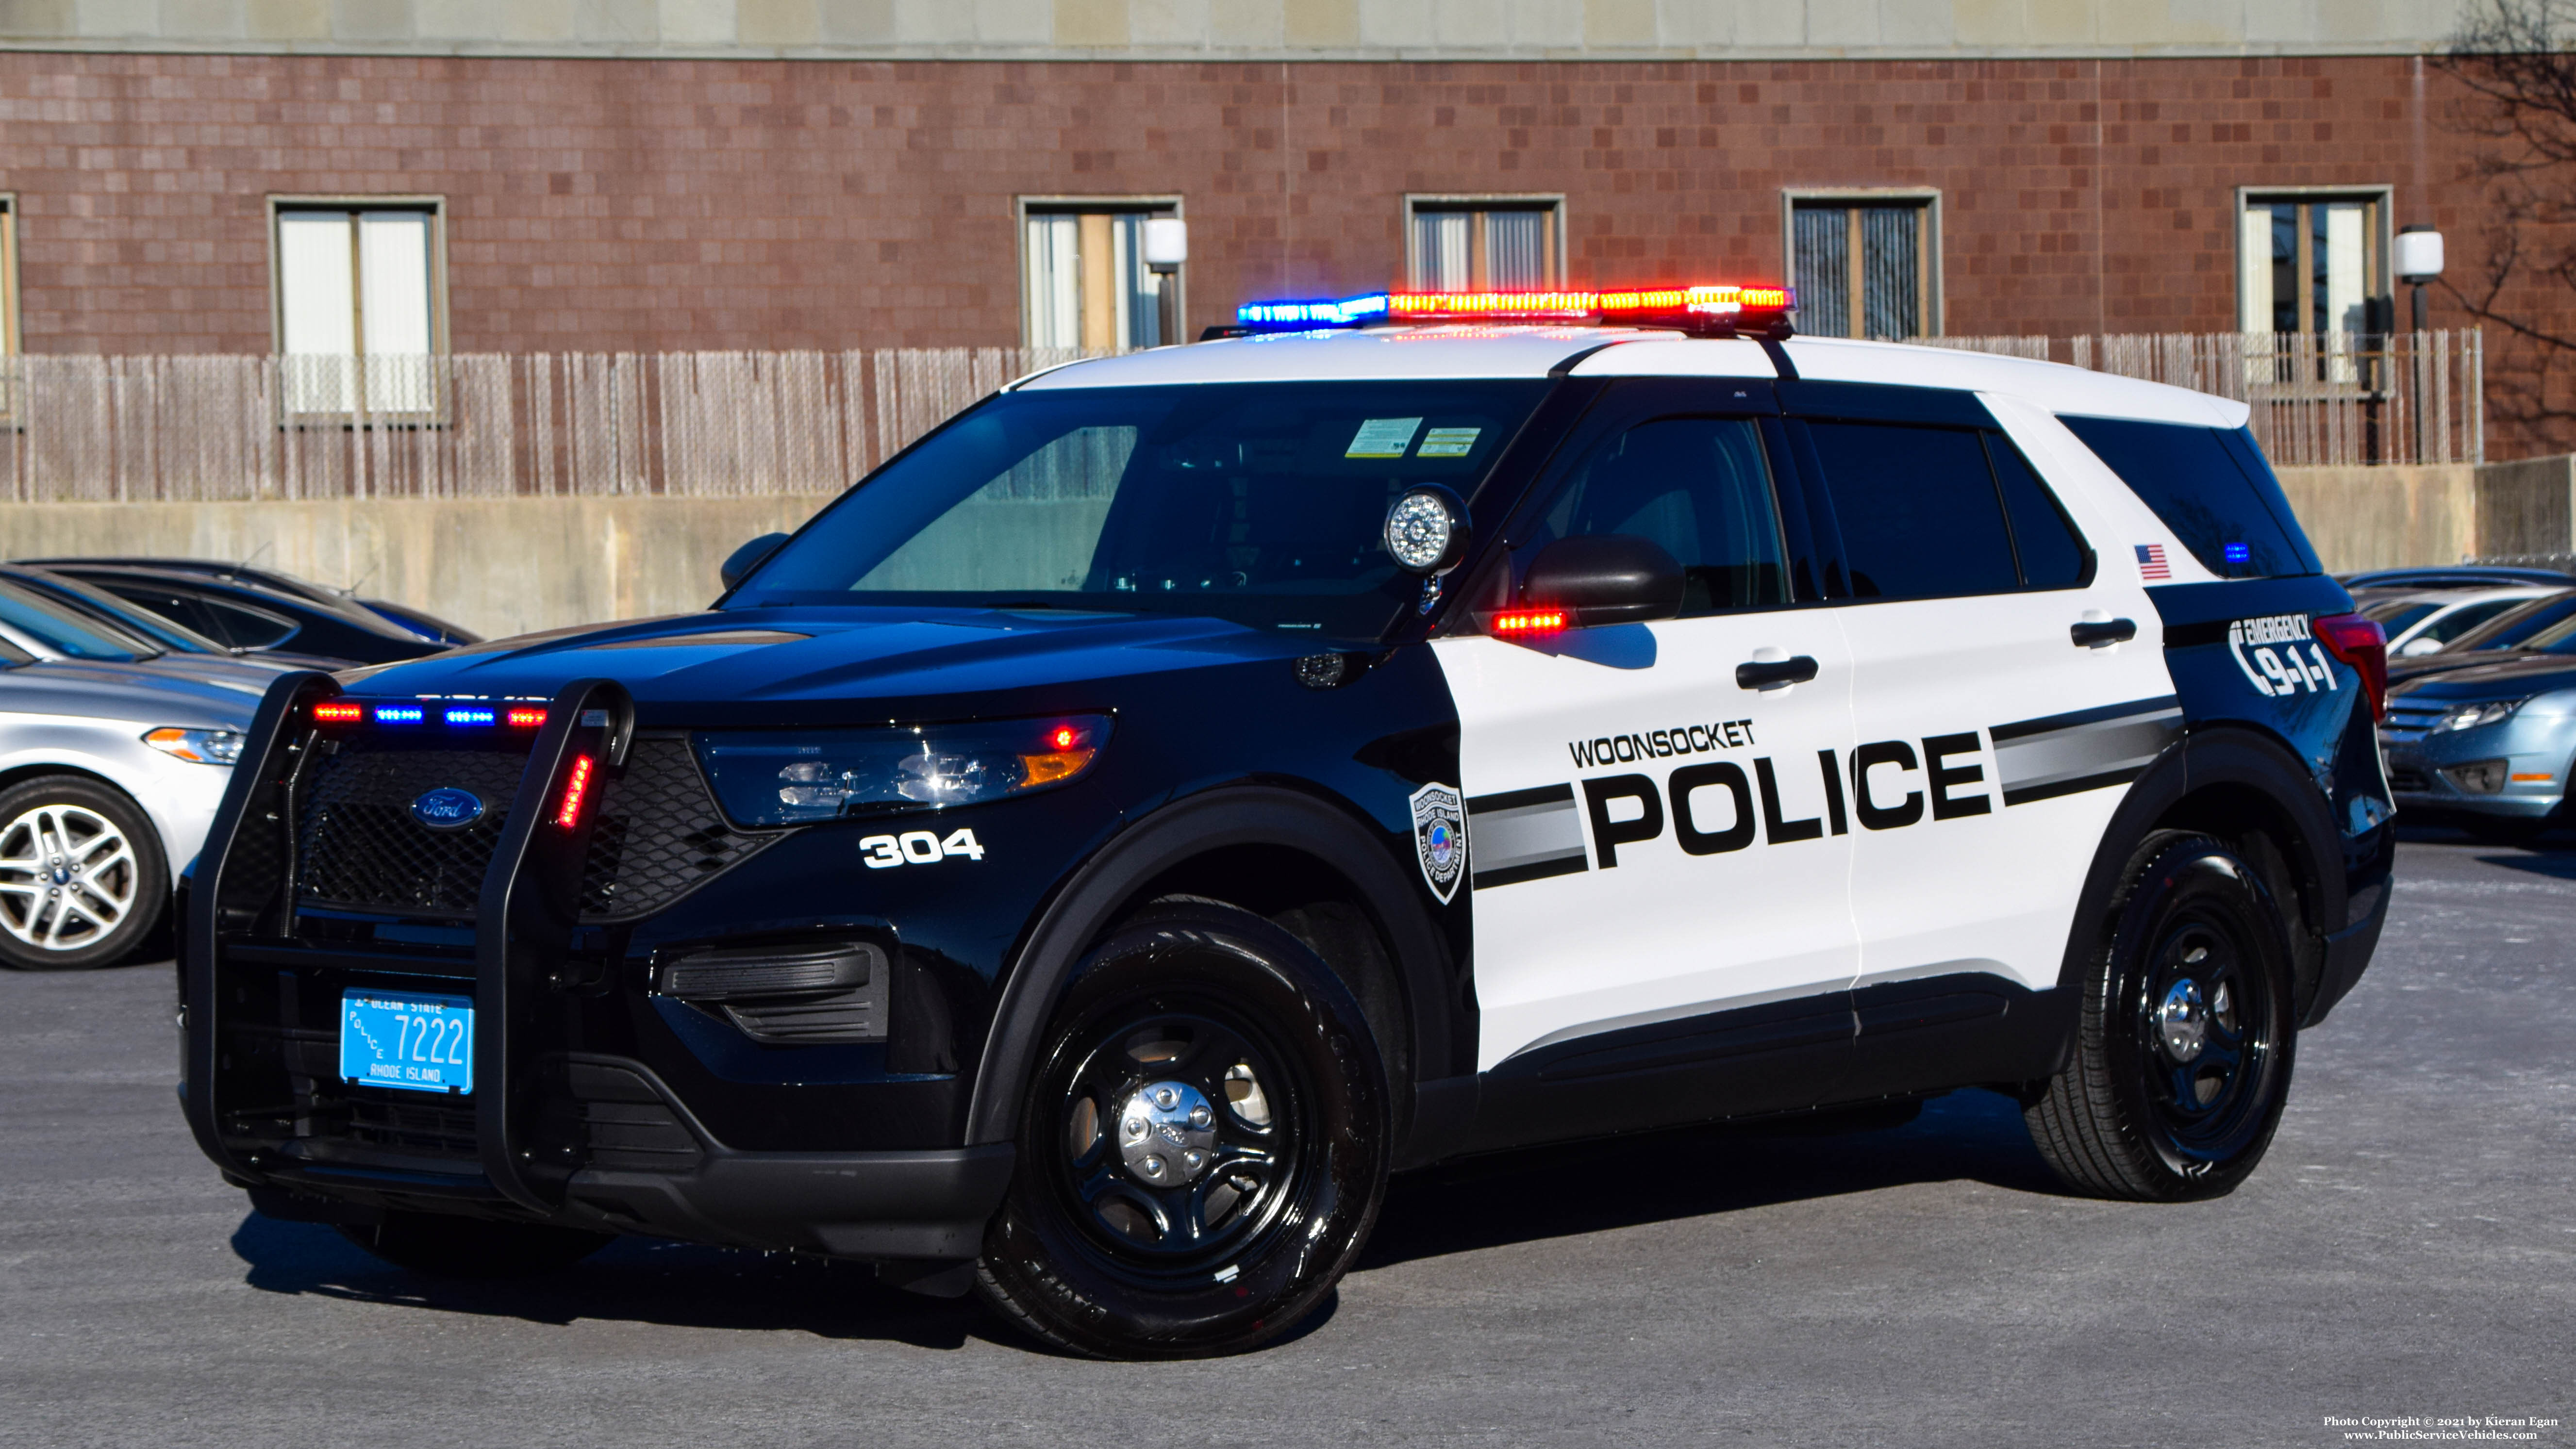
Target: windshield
[[2395, 615], [2517, 625], [1258, 503], [63, 629], [90, 599]]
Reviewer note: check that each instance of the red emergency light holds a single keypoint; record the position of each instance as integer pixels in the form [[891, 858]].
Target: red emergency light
[[338, 711]]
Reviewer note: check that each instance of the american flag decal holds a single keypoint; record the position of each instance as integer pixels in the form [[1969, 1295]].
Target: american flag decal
[[2151, 562]]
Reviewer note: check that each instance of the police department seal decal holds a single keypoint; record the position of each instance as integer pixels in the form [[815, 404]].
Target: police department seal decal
[[1440, 838]]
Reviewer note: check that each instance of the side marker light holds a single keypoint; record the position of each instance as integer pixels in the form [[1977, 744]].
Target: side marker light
[[1528, 621], [576, 790]]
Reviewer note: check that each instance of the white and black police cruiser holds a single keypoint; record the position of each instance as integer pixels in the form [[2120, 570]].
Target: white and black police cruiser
[[1084, 861]]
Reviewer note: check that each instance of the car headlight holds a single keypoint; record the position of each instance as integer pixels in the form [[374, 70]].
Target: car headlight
[[2471, 716], [197, 747], [790, 777]]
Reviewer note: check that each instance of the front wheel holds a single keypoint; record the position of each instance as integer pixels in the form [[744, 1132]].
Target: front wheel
[[82, 880], [2182, 1056], [1203, 1146]]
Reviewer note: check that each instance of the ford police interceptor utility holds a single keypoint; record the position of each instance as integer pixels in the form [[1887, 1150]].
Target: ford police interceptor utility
[[1087, 858]]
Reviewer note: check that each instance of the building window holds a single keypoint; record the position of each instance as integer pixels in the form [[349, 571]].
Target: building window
[[1498, 244], [1866, 264], [2312, 262], [359, 312], [1084, 279]]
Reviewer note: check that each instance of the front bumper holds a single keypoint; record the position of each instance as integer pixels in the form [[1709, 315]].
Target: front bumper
[[2424, 770], [573, 1118]]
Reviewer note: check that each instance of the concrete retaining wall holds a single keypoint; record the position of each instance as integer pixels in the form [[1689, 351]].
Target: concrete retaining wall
[[503, 566], [498, 566]]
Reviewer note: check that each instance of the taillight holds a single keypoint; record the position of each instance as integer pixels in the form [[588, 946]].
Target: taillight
[[576, 790], [2362, 644]]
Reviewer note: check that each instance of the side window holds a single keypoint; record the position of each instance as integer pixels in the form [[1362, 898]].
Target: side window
[[246, 628], [1702, 489], [2210, 487], [180, 609], [2052, 553], [1918, 511]]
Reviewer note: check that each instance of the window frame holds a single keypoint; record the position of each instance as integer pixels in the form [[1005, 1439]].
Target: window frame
[[2379, 285], [1481, 203], [1144, 203], [281, 205], [11, 344], [1929, 264]]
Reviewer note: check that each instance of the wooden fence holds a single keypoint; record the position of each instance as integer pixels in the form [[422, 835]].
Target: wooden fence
[[205, 428]]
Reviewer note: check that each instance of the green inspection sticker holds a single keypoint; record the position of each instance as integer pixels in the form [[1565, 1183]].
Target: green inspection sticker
[[1449, 442], [1383, 438]]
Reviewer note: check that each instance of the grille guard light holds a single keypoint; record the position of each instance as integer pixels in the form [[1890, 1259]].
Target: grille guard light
[[527, 719], [338, 711], [576, 791], [1719, 310], [2361, 643]]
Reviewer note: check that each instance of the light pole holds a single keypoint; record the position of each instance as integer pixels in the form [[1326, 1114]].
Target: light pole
[[1167, 245], [2418, 261]]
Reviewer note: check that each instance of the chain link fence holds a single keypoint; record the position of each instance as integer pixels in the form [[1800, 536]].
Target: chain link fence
[[206, 428]]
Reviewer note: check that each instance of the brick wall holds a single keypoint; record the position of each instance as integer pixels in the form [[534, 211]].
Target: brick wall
[[651, 204]]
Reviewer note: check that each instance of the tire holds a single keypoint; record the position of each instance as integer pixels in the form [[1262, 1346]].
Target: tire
[[444, 1246], [2182, 1057], [1194, 1028], [82, 877]]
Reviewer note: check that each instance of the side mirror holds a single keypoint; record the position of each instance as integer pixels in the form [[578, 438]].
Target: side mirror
[[739, 564], [1611, 578]]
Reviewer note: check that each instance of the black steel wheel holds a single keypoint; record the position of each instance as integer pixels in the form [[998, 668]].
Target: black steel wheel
[[2181, 1063], [445, 1246], [1203, 1145]]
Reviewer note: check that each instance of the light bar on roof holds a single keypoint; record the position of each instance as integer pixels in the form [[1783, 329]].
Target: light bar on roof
[[1714, 308]]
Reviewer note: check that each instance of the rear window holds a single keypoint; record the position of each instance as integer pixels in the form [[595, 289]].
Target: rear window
[[2211, 487]]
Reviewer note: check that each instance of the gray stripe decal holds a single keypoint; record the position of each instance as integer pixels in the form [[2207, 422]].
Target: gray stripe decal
[[2109, 751], [1511, 841]]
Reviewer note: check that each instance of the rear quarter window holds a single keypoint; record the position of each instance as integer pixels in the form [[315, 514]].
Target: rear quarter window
[[2211, 487]]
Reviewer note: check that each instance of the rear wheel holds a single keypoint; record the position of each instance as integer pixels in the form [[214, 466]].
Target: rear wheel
[[444, 1246], [82, 880], [1203, 1145], [2182, 1057]]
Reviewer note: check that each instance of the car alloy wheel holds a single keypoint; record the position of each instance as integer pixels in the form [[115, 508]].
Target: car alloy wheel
[[80, 875]]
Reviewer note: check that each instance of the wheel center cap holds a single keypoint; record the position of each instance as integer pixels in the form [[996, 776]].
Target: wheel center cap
[[2182, 1021], [1165, 1133]]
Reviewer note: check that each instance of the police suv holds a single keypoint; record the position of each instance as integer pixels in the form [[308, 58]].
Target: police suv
[[1085, 860]]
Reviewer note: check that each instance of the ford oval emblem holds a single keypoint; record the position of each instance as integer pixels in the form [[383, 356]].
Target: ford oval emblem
[[447, 808]]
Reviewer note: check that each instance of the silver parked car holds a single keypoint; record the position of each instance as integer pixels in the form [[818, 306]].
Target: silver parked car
[[113, 756], [2489, 745]]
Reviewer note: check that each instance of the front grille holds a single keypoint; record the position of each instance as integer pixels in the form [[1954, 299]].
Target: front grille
[[361, 846], [2411, 782], [657, 832], [432, 1127]]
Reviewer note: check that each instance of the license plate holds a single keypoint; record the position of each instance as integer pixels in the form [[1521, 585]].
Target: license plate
[[417, 1042]]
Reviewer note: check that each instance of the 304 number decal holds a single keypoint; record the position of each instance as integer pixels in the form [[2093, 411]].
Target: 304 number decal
[[919, 847]]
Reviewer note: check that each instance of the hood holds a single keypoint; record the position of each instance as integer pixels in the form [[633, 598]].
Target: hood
[[146, 693], [794, 663], [2495, 675]]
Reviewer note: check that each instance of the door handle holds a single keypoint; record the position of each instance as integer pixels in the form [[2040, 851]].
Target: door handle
[[1772, 673], [2099, 633]]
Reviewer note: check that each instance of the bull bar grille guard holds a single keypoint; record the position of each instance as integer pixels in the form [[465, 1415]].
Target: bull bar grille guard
[[525, 916]]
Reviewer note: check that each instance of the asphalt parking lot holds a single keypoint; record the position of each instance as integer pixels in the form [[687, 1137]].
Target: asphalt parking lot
[[2409, 1248]]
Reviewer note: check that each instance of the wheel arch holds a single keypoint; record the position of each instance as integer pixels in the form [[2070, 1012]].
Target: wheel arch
[[14, 775], [1266, 849], [2242, 786]]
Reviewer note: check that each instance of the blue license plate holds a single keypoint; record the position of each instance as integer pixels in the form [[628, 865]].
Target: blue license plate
[[419, 1043]]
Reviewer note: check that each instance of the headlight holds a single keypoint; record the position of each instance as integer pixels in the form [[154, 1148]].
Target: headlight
[[197, 747], [789, 777], [2471, 716]]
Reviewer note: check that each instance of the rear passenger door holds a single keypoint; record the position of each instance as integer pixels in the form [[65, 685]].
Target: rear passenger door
[[1994, 721]]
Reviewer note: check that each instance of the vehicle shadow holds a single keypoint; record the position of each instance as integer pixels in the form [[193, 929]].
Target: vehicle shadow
[[1485, 1202], [1555, 1192]]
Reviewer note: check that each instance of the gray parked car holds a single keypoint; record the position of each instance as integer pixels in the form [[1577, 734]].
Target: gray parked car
[[113, 756], [2489, 745]]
